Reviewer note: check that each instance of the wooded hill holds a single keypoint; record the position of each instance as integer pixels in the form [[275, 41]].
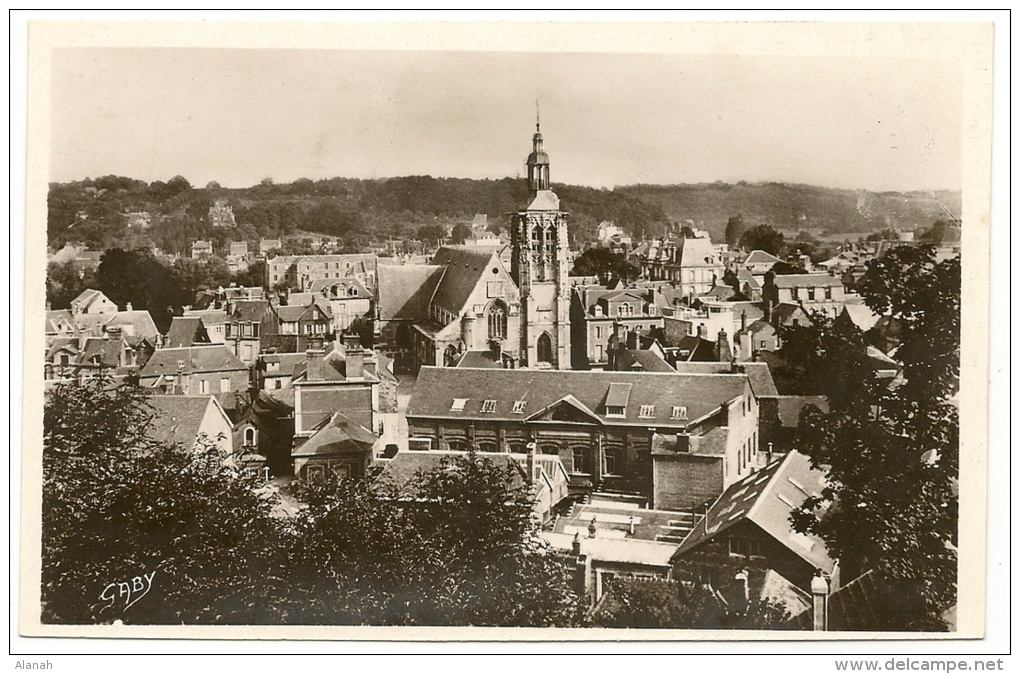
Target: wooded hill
[[95, 212]]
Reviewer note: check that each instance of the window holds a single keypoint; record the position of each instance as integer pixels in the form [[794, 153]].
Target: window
[[249, 436], [224, 384], [277, 384], [614, 411], [599, 356], [793, 293], [598, 332], [487, 446], [811, 294], [544, 348], [497, 321], [203, 386], [679, 412], [745, 547], [598, 311], [65, 359], [551, 450], [578, 455], [457, 444], [519, 406], [625, 309], [761, 344], [646, 412], [489, 406], [828, 293], [612, 455], [458, 404]]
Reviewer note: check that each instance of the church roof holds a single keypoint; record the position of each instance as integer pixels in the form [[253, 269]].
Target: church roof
[[404, 291], [544, 200], [465, 267]]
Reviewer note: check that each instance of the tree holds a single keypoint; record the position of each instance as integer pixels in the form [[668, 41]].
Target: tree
[[453, 546], [734, 229], [604, 263], [139, 278], [892, 455], [935, 235], [189, 536], [65, 281], [763, 237], [460, 233]]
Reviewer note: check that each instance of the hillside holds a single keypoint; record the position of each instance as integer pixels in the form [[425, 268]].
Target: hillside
[[358, 212], [786, 206]]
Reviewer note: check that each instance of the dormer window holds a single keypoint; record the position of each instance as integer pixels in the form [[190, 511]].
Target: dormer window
[[615, 411], [646, 412], [488, 406], [458, 404], [598, 311], [616, 400], [679, 412], [519, 406]]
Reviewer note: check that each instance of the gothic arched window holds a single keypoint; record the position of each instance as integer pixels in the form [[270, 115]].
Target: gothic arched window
[[497, 321], [545, 352]]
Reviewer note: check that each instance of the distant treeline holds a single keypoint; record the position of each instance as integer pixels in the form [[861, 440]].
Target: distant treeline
[[95, 212]]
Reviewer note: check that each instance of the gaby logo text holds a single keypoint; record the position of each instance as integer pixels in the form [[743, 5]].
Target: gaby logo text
[[127, 592]]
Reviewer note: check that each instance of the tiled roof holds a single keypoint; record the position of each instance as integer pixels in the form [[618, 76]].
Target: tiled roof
[[479, 359], [140, 322], [766, 498], [340, 436], [87, 297], [250, 310], [178, 418], [437, 387], [211, 358], [465, 267], [405, 291]]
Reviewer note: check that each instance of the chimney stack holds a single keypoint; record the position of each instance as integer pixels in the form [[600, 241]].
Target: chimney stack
[[701, 331], [591, 528], [575, 545], [820, 601], [355, 364], [128, 307], [743, 321]]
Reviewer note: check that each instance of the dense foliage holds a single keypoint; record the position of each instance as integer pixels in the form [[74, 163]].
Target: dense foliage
[[605, 264], [891, 452], [454, 546]]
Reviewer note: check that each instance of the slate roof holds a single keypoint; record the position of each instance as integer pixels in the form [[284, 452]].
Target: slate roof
[[760, 257], [56, 317], [544, 200], [465, 267], [641, 360], [185, 331], [784, 311], [213, 358], [436, 389], [745, 276], [87, 297], [758, 375], [324, 285], [340, 435], [294, 313], [178, 418], [479, 359], [209, 317], [250, 310], [140, 322], [861, 316], [697, 253], [405, 291], [807, 280], [766, 498]]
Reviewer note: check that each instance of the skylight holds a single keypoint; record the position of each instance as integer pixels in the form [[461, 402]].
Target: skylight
[[458, 404]]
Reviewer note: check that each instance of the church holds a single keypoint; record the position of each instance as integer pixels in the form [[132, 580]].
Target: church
[[466, 309]]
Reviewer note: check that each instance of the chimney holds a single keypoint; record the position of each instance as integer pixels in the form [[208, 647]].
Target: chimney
[[820, 601], [742, 577], [630, 525], [702, 331], [575, 545], [723, 353], [591, 528], [632, 339], [314, 360], [743, 321], [128, 307], [355, 367], [532, 448]]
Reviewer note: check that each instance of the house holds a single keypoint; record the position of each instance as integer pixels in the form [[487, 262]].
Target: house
[[304, 326], [759, 262], [92, 302], [238, 248], [265, 428], [693, 265], [275, 371], [298, 272], [348, 299], [670, 438], [197, 370], [201, 250], [221, 214], [600, 317], [814, 292], [267, 246], [339, 445], [188, 421], [749, 285], [185, 331], [213, 321], [81, 357], [748, 527], [788, 315], [251, 327], [754, 338], [136, 326], [326, 382]]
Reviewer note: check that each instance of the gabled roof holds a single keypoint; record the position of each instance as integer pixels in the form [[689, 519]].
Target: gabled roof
[[292, 313], [437, 387], [405, 291], [758, 375], [465, 268], [209, 317], [185, 331], [697, 253], [340, 435], [250, 310], [744, 276], [140, 322], [88, 297], [861, 316], [325, 286], [178, 418], [784, 311], [766, 498], [211, 358], [58, 320], [760, 257], [641, 360]]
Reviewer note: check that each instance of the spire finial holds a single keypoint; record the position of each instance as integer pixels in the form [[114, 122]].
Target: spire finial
[[538, 123]]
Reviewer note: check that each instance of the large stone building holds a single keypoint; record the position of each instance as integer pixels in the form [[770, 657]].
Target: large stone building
[[694, 266], [675, 439], [540, 264]]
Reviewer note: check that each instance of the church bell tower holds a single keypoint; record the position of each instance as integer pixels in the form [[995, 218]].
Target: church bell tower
[[538, 235]]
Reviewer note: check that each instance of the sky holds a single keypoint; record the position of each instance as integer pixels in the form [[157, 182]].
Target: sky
[[238, 116]]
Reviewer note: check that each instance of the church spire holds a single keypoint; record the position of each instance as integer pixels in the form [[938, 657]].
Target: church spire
[[538, 160]]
